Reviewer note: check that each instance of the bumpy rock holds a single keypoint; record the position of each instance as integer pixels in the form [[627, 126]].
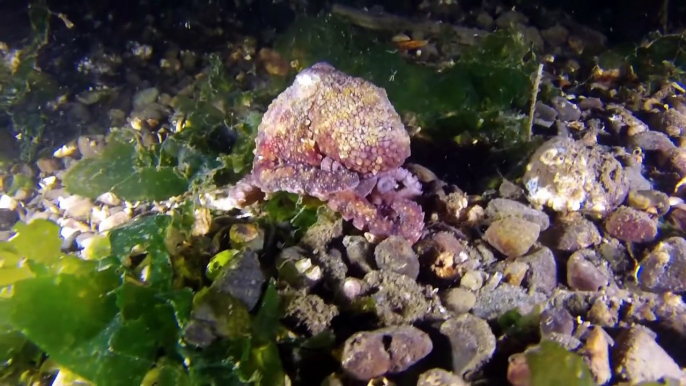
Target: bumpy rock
[[664, 268], [472, 342], [631, 225], [398, 298], [512, 236], [565, 175], [311, 313], [638, 358], [396, 254], [370, 354], [338, 138]]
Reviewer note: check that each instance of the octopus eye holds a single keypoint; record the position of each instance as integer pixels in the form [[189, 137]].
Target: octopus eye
[[637, 152], [560, 159]]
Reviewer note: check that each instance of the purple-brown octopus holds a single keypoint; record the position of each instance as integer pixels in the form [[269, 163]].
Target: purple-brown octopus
[[338, 138]]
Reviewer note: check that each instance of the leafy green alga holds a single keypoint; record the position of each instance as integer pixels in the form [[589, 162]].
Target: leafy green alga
[[24, 89], [121, 171], [93, 317], [551, 365]]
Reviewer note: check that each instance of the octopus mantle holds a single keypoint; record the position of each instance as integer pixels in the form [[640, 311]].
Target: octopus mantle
[[338, 138]]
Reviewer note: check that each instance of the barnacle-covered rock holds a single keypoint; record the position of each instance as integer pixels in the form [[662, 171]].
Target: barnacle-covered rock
[[568, 176], [338, 138]]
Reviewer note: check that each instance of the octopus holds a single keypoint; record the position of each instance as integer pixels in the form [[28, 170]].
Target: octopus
[[337, 138]]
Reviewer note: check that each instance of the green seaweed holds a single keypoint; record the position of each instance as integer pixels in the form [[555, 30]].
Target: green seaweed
[[24, 90], [185, 161], [552, 365], [483, 94]]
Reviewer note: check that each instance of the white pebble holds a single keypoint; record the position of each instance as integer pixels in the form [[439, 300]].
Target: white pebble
[[113, 221], [109, 199], [7, 202], [75, 206]]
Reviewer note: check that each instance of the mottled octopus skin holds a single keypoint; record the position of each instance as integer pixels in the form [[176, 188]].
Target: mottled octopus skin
[[332, 136]]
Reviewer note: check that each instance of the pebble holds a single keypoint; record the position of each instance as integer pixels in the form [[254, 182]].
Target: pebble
[[509, 18], [71, 226], [7, 202], [604, 314], [472, 342], [440, 377], [56, 194], [591, 103], [458, 300], [113, 221], [515, 272], [395, 254], [582, 275], [638, 358], [109, 198], [311, 313], [556, 320], [484, 20], [631, 225], [673, 122], [555, 36], [597, 350], [651, 201], [491, 303], [512, 236], [359, 252], [664, 267], [84, 239], [542, 273], [242, 278], [500, 208], [145, 97], [510, 190], [544, 115], [49, 165], [371, 354], [91, 146], [566, 110], [472, 280], [651, 141], [8, 218], [76, 206], [572, 232]]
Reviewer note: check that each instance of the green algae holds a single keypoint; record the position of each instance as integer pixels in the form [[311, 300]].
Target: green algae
[[483, 94]]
